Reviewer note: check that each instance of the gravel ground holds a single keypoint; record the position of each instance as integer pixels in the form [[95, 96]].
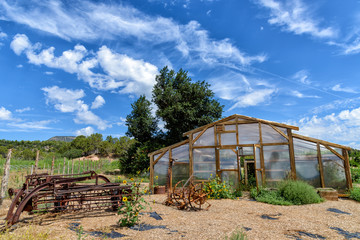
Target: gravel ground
[[258, 220]]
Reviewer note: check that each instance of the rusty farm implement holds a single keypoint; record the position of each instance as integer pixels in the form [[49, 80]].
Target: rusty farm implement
[[88, 191]]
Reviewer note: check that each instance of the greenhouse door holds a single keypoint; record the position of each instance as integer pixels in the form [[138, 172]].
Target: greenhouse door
[[258, 169], [229, 166]]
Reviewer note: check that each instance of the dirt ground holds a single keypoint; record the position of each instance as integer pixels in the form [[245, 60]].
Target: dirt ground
[[257, 220]]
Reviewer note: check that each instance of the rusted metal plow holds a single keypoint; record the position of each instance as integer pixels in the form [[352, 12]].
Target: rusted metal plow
[[192, 197], [42, 193]]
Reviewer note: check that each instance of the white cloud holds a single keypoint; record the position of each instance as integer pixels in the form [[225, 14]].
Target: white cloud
[[36, 125], [343, 128], [122, 122], [98, 102], [253, 98], [122, 73], [49, 73], [301, 95], [20, 43], [5, 114], [3, 35], [90, 21], [302, 76], [23, 110], [338, 88], [67, 100], [19, 66], [348, 48], [294, 16], [85, 131]]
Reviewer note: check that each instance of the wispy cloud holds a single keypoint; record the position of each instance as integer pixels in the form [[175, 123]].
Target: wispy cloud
[[69, 101], [294, 16], [302, 76], [23, 110], [36, 125], [301, 95], [89, 21], [338, 88], [253, 98], [348, 48]]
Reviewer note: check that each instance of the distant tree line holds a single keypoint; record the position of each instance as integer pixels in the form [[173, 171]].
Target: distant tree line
[[80, 146]]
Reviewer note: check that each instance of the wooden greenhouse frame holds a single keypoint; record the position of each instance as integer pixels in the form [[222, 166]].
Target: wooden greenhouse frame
[[276, 152]]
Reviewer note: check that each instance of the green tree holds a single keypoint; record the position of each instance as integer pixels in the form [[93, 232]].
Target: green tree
[[95, 140], [141, 124], [183, 104]]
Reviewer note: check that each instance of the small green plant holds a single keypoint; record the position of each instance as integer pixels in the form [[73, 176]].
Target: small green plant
[[288, 192], [218, 189], [237, 235], [355, 194], [355, 175], [132, 205], [80, 233]]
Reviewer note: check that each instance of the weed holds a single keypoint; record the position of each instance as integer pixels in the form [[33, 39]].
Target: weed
[[355, 194], [237, 235], [80, 233], [218, 189], [31, 233]]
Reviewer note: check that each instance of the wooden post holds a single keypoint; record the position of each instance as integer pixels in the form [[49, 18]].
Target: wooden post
[[32, 169], [52, 166], [5, 179], [292, 154], [347, 169], [64, 165], [151, 186], [36, 160], [68, 170], [88, 165], [72, 166], [191, 164], [321, 168]]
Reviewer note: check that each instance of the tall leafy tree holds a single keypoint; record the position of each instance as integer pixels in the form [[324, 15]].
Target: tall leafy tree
[[183, 104], [141, 124]]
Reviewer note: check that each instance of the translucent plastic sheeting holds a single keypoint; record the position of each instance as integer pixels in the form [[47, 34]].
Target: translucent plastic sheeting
[[333, 167], [230, 177], [204, 163], [258, 166], [161, 169], [247, 151], [228, 138], [249, 133], [206, 139], [269, 135], [230, 127], [306, 162], [277, 163], [180, 169], [228, 159]]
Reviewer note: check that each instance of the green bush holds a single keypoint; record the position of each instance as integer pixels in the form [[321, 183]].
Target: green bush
[[355, 175], [298, 192], [355, 194], [287, 193]]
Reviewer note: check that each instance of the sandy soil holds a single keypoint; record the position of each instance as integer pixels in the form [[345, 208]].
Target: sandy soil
[[223, 217]]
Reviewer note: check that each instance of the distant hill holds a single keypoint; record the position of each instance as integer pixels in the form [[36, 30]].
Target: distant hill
[[62, 138]]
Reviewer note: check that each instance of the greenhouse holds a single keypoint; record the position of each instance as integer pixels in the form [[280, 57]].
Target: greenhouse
[[247, 150]]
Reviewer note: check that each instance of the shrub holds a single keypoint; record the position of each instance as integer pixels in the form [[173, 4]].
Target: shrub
[[218, 189], [289, 192], [298, 192], [355, 174], [237, 235], [355, 194]]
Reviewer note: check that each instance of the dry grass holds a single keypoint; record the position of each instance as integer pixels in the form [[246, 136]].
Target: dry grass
[[223, 217]]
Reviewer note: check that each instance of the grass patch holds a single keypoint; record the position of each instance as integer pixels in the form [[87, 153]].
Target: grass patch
[[355, 194], [288, 192], [237, 235]]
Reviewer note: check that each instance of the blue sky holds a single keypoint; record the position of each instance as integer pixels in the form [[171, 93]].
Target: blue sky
[[74, 67]]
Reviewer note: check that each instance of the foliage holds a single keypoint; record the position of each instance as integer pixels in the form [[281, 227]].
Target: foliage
[[298, 192], [237, 235], [141, 124], [288, 192], [183, 104], [132, 205], [355, 193], [73, 153], [31, 233], [218, 189], [355, 174]]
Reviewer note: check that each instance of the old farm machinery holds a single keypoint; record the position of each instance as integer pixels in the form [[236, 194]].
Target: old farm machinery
[[42, 193]]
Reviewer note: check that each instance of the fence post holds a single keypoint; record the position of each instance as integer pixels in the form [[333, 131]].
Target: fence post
[[32, 170], [5, 180], [68, 171], [84, 169], [64, 165], [52, 166], [36, 160]]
